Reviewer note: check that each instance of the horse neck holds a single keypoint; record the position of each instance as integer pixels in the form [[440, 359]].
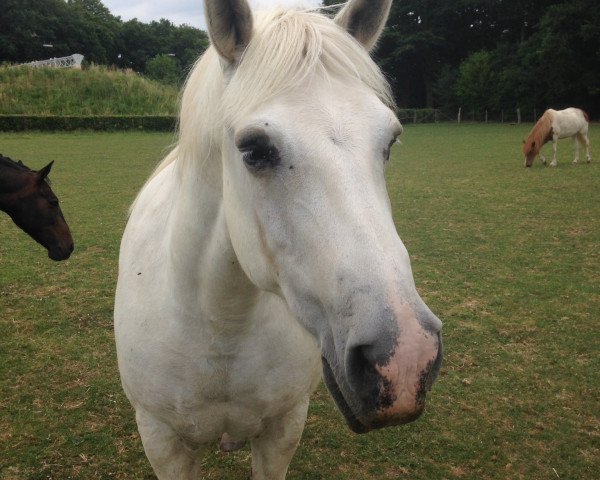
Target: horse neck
[[541, 133], [11, 182], [201, 252], [202, 256]]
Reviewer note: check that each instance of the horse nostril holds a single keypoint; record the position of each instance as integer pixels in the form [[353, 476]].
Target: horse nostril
[[360, 369], [71, 248]]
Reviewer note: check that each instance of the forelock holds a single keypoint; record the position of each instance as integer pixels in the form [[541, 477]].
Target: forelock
[[289, 47]]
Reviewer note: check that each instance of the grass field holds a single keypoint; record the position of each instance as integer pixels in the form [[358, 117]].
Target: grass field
[[508, 257]]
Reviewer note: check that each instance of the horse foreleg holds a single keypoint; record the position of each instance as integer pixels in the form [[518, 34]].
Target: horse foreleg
[[170, 458], [554, 163], [576, 145], [273, 449]]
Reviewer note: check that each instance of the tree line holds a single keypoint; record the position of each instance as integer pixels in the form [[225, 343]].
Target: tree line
[[493, 54], [476, 54], [39, 29]]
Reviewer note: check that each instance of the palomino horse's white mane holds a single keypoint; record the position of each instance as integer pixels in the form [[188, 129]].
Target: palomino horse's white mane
[[287, 47]]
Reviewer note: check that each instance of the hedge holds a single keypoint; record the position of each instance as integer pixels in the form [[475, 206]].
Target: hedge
[[18, 123]]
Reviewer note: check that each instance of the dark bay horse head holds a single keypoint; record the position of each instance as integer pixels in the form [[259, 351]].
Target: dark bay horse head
[[26, 196]]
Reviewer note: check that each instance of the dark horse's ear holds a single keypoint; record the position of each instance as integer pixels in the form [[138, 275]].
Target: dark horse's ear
[[20, 163], [229, 27], [364, 19], [43, 173]]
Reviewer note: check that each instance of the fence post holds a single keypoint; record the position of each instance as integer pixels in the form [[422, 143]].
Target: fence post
[[459, 108], [486, 116], [518, 115]]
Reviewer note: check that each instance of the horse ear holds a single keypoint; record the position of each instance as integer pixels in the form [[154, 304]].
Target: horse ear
[[229, 27], [43, 173], [364, 19]]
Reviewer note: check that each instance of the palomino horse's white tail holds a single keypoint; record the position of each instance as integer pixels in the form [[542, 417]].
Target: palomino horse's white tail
[[554, 125]]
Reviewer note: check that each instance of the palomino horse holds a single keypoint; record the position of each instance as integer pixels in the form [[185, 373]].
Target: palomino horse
[[27, 197], [262, 251], [554, 125]]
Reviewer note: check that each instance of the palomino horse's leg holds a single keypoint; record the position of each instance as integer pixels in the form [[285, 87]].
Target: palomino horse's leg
[[585, 141], [543, 159], [274, 448], [170, 458], [554, 163], [576, 145]]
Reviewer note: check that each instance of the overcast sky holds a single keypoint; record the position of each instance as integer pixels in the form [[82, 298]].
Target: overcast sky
[[182, 11]]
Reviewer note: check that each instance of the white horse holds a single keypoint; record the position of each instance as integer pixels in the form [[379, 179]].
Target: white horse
[[263, 251], [554, 125]]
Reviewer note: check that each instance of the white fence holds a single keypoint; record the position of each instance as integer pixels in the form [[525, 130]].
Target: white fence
[[72, 61]]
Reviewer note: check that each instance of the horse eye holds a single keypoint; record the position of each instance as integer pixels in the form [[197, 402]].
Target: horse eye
[[388, 150], [258, 152], [53, 202]]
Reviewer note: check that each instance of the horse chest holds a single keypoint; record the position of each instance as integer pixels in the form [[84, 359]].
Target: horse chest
[[204, 389], [238, 396]]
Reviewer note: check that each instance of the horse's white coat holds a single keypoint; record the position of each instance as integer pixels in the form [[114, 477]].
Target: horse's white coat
[[570, 123], [230, 280]]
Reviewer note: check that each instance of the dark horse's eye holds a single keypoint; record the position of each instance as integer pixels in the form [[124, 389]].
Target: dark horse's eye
[[53, 202], [258, 152]]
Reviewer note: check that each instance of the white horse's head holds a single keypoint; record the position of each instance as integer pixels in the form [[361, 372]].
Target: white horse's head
[[308, 131]]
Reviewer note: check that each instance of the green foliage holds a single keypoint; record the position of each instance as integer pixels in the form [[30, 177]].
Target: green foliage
[[164, 69], [71, 92], [478, 80], [506, 256], [87, 27], [445, 88], [540, 53], [566, 52], [141, 42]]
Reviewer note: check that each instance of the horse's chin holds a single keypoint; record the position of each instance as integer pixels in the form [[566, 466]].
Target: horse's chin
[[330, 382], [59, 254]]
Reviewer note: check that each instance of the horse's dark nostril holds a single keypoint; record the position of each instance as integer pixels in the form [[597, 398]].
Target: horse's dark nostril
[[360, 369], [71, 248]]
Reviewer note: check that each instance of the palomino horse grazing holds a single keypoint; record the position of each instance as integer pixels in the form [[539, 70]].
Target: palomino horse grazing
[[263, 251], [27, 197], [554, 125]]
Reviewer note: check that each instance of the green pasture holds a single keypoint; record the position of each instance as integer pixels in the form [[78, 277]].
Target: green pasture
[[93, 91], [508, 257]]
